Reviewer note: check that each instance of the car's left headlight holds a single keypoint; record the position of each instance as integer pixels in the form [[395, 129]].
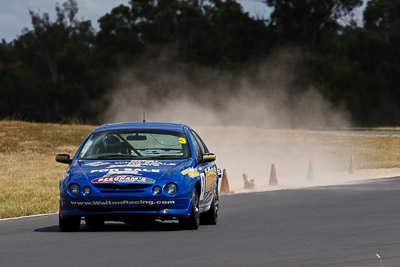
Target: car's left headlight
[[74, 189], [172, 188], [157, 190]]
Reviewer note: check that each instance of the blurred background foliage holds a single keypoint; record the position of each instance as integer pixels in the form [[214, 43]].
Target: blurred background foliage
[[61, 70]]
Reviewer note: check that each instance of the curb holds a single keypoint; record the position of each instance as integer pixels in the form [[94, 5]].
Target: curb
[[29, 216]]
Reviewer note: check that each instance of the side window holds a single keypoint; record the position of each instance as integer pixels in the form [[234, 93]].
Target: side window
[[196, 146], [203, 147]]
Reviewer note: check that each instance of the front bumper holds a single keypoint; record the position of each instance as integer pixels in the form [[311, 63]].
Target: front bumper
[[110, 206]]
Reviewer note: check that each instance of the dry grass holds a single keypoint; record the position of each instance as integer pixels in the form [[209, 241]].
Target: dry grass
[[29, 174], [371, 151]]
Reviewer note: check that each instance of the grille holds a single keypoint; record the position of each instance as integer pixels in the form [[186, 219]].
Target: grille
[[121, 191]]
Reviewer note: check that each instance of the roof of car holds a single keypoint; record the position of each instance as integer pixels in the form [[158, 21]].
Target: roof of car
[[143, 125]]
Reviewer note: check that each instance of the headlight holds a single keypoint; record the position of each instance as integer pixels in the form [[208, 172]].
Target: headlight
[[74, 189], [87, 190], [157, 190], [172, 188]]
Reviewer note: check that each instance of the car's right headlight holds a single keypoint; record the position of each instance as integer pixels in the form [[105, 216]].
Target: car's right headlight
[[172, 188], [87, 190]]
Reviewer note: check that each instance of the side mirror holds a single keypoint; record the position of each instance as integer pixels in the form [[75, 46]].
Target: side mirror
[[63, 158], [209, 157]]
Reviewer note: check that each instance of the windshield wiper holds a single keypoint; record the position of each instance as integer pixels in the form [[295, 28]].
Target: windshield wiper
[[116, 156], [165, 157]]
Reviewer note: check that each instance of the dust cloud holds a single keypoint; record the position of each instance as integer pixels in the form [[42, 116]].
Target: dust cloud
[[267, 97], [240, 117]]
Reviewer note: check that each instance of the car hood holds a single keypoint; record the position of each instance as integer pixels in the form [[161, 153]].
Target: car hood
[[146, 171]]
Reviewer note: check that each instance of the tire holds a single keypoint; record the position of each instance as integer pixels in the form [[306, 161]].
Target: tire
[[193, 222], [93, 221], [69, 224], [211, 217]]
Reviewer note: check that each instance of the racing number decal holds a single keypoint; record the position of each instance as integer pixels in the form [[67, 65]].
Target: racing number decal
[[203, 184], [182, 140]]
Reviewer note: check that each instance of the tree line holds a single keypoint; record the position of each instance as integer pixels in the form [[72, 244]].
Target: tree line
[[59, 70]]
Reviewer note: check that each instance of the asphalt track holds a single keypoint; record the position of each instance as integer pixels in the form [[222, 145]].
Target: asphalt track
[[325, 226]]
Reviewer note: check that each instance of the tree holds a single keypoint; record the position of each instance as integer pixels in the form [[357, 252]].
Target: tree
[[118, 41], [240, 39], [382, 22], [56, 53], [306, 22], [217, 33], [383, 17], [17, 89]]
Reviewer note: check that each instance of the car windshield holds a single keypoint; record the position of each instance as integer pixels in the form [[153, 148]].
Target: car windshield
[[136, 144]]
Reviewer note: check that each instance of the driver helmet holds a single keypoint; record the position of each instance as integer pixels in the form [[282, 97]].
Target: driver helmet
[[111, 143]]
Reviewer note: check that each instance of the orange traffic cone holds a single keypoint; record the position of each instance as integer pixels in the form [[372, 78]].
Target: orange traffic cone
[[352, 167], [224, 183], [273, 180], [310, 172], [248, 184]]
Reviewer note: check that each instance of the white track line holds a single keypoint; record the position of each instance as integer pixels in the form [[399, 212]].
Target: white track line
[[30, 216]]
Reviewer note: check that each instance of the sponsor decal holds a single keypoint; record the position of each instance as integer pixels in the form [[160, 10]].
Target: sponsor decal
[[192, 172], [97, 163], [211, 173], [211, 176], [184, 172], [123, 179], [203, 185], [140, 163], [122, 172], [125, 170], [122, 202], [219, 173]]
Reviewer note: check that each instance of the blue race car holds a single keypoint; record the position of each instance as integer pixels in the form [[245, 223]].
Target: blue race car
[[139, 171]]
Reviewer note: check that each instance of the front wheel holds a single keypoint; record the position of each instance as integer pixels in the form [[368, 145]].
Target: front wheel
[[193, 222], [69, 224], [211, 216]]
